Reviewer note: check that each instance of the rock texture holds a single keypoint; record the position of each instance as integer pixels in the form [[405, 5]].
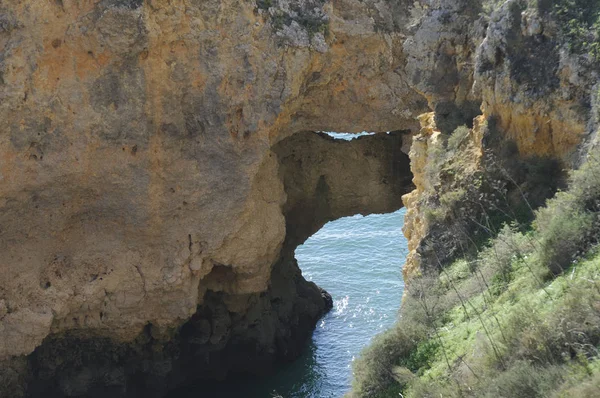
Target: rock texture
[[326, 179], [139, 188], [538, 101], [428, 165], [541, 94], [231, 331], [136, 165], [440, 55], [156, 170]]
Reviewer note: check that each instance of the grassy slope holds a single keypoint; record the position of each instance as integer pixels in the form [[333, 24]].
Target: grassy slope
[[519, 318], [522, 324]]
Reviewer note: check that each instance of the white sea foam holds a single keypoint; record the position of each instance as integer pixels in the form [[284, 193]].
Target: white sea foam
[[341, 305]]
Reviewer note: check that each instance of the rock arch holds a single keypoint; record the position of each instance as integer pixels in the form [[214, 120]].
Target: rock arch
[[323, 179], [143, 204]]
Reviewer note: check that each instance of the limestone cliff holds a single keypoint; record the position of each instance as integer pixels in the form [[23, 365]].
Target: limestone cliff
[[141, 190], [541, 92], [158, 166], [537, 93], [482, 183]]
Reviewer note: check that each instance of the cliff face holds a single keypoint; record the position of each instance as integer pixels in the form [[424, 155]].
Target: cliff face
[[536, 89], [140, 186], [533, 81], [487, 249], [157, 170]]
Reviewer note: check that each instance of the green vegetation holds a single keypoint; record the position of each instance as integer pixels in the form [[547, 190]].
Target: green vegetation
[[264, 4], [570, 222], [490, 6], [470, 196], [520, 318], [458, 138], [579, 23], [507, 302]]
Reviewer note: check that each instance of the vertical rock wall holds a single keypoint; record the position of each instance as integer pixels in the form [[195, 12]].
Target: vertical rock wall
[[537, 95]]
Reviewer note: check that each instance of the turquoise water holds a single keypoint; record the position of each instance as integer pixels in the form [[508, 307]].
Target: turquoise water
[[358, 260]]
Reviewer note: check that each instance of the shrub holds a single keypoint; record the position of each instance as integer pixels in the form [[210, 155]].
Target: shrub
[[575, 325], [490, 6], [424, 388], [420, 358], [394, 390], [569, 224], [579, 23], [497, 259], [523, 379], [518, 337], [436, 158], [425, 300], [565, 233], [458, 138], [586, 388], [264, 4], [451, 199], [374, 369], [570, 331], [434, 215], [585, 184]]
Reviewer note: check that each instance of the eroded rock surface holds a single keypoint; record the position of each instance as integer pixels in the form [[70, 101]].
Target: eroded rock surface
[[231, 331], [537, 95], [156, 173], [326, 179], [136, 168], [542, 95]]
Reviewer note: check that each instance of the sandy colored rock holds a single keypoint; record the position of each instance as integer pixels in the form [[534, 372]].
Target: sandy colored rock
[[232, 330], [540, 94], [150, 193], [135, 144], [440, 56], [532, 92]]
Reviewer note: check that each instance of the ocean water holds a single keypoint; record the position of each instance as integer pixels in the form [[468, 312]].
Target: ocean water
[[358, 260], [348, 136]]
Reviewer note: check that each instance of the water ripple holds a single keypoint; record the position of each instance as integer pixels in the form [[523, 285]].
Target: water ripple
[[358, 261]]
